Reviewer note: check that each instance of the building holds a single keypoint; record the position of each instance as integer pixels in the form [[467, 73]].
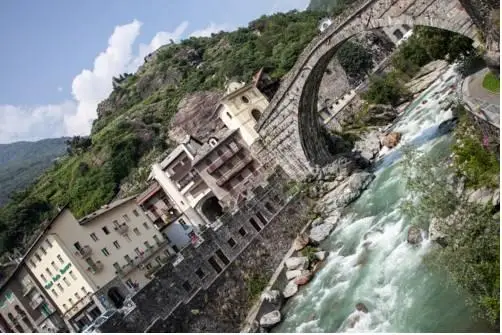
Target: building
[[173, 224], [397, 32], [324, 24], [25, 307]]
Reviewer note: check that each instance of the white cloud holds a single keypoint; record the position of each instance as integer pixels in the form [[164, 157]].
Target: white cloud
[[60, 89], [287, 5], [19, 123], [212, 28]]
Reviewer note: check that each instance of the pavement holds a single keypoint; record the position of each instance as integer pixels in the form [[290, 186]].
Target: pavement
[[483, 103]]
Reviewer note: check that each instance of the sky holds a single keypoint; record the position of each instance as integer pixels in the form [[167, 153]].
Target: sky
[[58, 56]]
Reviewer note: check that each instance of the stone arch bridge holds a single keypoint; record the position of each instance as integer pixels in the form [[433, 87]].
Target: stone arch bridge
[[289, 127]]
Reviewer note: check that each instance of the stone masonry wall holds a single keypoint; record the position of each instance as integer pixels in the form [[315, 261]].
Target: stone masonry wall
[[194, 296]]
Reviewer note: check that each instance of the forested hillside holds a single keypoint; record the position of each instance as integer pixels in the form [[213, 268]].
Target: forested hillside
[[22, 162]]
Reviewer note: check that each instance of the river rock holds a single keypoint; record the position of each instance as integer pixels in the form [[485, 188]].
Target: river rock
[[482, 196], [290, 290], [361, 307], [447, 126], [270, 319], [350, 190], [379, 115], [321, 255], [368, 146], [446, 103], [292, 274], [273, 297], [300, 242], [304, 278], [317, 221], [294, 263], [320, 232], [391, 140], [435, 233], [414, 235]]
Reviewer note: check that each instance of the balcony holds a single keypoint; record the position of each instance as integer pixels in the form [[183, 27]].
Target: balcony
[[96, 267], [186, 179], [84, 251], [238, 167], [122, 228], [222, 159], [140, 259], [36, 301], [27, 289]]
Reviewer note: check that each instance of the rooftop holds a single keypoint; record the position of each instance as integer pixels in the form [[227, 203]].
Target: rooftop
[[104, 209], [221, 136]]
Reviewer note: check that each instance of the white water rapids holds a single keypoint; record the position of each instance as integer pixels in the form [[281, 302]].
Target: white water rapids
[[370, 260]]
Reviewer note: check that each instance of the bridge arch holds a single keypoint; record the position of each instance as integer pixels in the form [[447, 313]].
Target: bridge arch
[[290, 127]]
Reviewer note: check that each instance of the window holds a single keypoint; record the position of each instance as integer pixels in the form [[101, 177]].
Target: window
[[60, 259], [239, 178], [105, 252], [135, 212], [37, 256], [48, 272], [116, 266], [187, 286], [200, 273], [84, 291], [183, 224], [136, 231], [72, 275], [241, 155], [156, 239], [208, 161], [116, 244], [149, 266], [146, 225], [43, 278], [105, 230], [54, 293], [242, 231], [147, 245], [136, 250], [94, 237], [230, 165], [222, 257], [32, 263], [115, 223], [42, 249], [255, 225], [166, 237], [60, 287], [129, 283], [48, 243], [126, 217], [157, 259], [77, 296], [65, 307], [54, 265], [217, 174], [256, 114], [128, 259], [229, 116], [231, 242], [245, 99], [70, 300], [66, 281], [219, 152]]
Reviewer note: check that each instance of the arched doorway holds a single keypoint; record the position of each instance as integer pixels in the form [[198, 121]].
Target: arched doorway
[[211, 209], [256, 114], [116, 297]]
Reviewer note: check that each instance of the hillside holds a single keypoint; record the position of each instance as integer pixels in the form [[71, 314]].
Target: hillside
[[22, 162]]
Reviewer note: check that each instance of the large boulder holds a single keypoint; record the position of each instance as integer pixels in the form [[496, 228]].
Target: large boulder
[[414, 235], [436, 234], [481, 196], [320, 232], [369, 145], [290, 290], [361, 307], [379, 115], [350, 189], [292, 274], [321, 255], [447, 126], [270, 319], [317, 222], [300, 242], [304, 278], [273, 297], [391, 140], [294, 263]]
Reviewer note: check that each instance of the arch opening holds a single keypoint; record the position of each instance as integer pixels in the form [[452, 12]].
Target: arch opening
[[211, 209], [116, 297], [256, 114]]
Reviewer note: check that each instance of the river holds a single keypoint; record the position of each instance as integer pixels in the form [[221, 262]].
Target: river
[[401, 293]]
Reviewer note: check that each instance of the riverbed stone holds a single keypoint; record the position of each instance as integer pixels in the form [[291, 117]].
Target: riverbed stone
[[317, 221], [320, 232], [481, 196], [414, 235], [361, 307], [300, 242], [304, 278], [350, 189], [321, 255], [391, 140], [369, 145], [292, 274], [294, 263], [290, 290], [270, 319]]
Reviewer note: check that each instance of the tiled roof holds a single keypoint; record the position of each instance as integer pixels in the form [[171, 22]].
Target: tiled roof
[[104, 209], [221, 136]]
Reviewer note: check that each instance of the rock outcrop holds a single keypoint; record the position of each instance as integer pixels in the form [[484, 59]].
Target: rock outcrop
[[300, 242], [379, 115], [290, 290], [350, 189], [320, 232], [295, 263], [369, 145], [270, 319], [426, 76], [391, 140], [414, 235]]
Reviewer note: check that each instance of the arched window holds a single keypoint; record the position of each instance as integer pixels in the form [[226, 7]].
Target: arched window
[[213, 142], [229, 115], [398, 34], [245, 99], [406, 27], [269, 207], [256, 114]]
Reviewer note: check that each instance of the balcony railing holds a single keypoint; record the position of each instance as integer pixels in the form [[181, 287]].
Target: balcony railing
[[222, 159], [84, 251], [36, 301], [122, 228], [96, 267], [27, 288], [238, 167], [139, 259]]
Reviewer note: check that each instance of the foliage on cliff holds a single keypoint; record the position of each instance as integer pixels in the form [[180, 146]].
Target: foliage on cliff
[[132, 126]]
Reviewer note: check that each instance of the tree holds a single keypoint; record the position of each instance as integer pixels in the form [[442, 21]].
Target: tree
[[355, 59], [386, 90]]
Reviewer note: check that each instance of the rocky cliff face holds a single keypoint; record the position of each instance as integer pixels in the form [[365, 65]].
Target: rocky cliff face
[[196, 116]]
